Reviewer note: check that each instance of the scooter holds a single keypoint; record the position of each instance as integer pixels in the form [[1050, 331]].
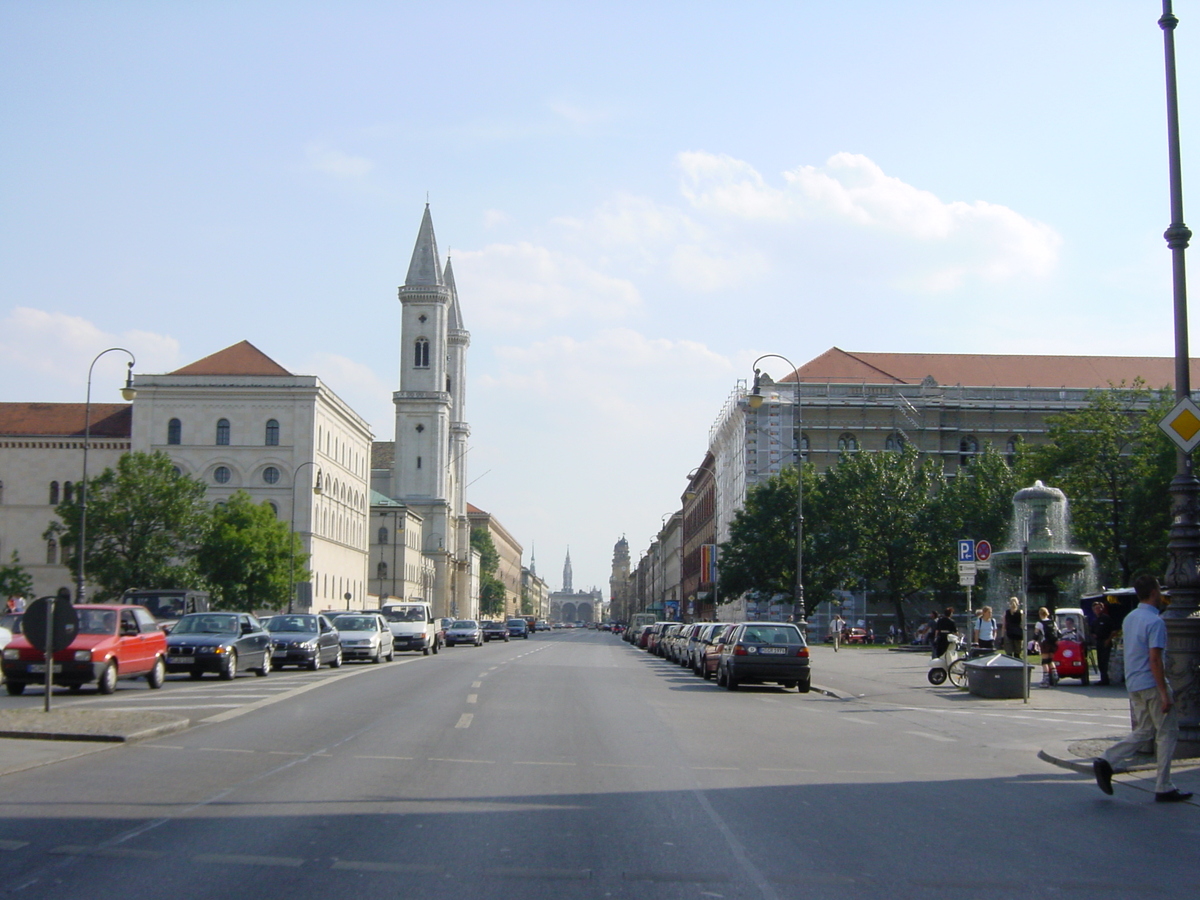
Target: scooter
[[950, 664]]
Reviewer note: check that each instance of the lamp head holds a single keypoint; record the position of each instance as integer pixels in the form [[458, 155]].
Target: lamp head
[[317, 489], [129, 392], [756, 398]]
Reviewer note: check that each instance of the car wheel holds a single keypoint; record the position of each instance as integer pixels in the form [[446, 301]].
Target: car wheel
[[937, 676], [158, 674], [336, 662], [265, 669], [315, 663], [706, 674], [425, 651], [108, 679], [435, 647], [195, 674], [731, 682], [14, 688], [391, 654], [805, 686], [720, 677], [229, 666]]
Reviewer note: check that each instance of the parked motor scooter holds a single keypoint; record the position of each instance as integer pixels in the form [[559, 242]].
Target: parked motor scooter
[[949, 665]]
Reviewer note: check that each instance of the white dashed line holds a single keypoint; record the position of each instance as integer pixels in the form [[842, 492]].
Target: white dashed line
[[464, 721], [472, 698], [933, 737]]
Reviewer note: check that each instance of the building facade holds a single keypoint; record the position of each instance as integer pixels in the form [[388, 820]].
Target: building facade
[[509, 551]]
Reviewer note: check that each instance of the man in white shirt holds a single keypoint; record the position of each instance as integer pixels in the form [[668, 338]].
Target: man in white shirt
[[1150, 698]]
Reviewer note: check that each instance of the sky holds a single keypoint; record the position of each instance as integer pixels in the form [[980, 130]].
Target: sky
[[640, 198]]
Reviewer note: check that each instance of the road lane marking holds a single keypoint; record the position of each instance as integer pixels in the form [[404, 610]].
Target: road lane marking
[[225, 749], [714, 768], [464, 721], [366, 866], [621, 766], [485, 762], [769, 769], [290, 861], [933, 737], [108, 852], [856, 721], [13, 845], [539, 763], [472, 698], [384, 757], [476, 684]]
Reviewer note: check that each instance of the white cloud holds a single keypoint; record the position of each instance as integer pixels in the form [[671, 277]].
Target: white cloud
[[59, 348], [333, 162], [522, 286], [358, 385], [494, 218]]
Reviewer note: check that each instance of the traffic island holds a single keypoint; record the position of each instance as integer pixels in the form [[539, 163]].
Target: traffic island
[[93, 725]]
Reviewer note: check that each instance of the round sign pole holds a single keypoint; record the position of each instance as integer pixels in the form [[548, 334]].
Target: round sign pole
[[48, 650]]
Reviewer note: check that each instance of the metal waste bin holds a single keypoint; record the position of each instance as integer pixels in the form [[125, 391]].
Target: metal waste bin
[[997, 677]]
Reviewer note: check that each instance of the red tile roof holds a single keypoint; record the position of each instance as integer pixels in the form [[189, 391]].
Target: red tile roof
[[989, 370], [111, 420], [240, 359]]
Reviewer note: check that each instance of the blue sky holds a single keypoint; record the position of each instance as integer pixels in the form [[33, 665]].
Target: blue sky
[[640, 198]]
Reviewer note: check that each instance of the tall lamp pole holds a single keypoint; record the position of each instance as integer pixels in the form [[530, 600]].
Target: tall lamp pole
[[756, 400], [1183, 578], [292, 531], [128, 393]]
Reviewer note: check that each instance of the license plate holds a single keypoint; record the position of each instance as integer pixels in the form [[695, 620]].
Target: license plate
[[182, 660], [778, 650], [40, 668]]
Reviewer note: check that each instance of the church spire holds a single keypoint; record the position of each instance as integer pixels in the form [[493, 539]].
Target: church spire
[[567, 587], [455, 322], [425, 268]]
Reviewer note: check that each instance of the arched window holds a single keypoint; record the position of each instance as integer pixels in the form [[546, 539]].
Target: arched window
[[222, 432], [274, 508], [967, 448], [1010, 449], [381, 571], [52, 552], [894, 442], [272, 433], [174, 432], [68, 492], [803, 444], [847, 443], [383, 535], [54, 493], [421, 353]]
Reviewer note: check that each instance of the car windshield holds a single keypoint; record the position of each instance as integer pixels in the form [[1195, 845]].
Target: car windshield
[[405, 614], [520, 622], [357, 623], [97, 621], [301, 624], [465, 623], [772, 634], [206, 624]]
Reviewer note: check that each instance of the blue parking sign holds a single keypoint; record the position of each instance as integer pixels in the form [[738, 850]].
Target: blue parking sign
[[966, 551]]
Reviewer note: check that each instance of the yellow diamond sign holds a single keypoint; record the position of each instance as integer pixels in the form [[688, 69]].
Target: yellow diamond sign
[[1182, 425]]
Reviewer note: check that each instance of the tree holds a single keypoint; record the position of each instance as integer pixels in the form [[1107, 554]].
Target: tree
[[1115, 466], [246, 556], [491, 588], [14, 580], [144, 521]]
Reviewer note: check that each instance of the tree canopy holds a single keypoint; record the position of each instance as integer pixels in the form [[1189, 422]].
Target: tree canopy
[[15, 581], [491, 588]]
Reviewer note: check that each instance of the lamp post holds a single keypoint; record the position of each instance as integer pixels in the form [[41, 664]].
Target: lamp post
[[128, 393], [292, 531], [1182, 618], [756, 400]]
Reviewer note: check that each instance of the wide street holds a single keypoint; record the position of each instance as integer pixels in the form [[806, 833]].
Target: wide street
[[572, 765]]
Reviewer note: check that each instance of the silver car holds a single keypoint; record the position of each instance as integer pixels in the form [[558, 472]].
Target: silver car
[[365, 636], [464, 631]]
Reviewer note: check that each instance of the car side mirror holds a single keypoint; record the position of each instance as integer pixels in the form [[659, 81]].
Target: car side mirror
[[246, 628]]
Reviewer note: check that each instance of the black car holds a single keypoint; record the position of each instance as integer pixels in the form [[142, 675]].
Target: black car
[[518, 628], [304, 640], [759, 652], [495, 631], [225, 643]]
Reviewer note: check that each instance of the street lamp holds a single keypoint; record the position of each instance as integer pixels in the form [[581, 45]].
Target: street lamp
[[292, 532], [128, 393], [756, 400]]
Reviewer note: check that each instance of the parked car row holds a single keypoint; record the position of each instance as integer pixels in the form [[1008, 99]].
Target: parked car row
[[734, 653]]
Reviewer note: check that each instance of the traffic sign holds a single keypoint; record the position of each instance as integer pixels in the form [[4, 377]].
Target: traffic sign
[[64, 623], [1182, 425], [966, 579], [983, 554], [966, 551]]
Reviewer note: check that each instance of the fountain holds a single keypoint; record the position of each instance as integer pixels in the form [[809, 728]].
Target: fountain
[[1040, 521]]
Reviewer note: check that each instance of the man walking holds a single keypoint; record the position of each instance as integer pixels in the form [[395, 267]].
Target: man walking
[[1102, 632], [1150, 699]]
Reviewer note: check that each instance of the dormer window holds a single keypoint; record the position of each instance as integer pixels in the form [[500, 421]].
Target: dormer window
[[421, 353]]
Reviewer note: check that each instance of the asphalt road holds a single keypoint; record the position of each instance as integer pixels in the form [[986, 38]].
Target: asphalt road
[[571, 765]]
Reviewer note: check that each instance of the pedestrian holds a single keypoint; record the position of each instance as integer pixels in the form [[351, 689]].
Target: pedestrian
[[1151, 701], [836, 624], [1102, 632], [1046, 633], [986, 629], [1014, 628], [933, 634], [943, 628]]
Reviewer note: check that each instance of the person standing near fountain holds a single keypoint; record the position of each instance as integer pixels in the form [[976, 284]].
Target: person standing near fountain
[[1014, 629], [1102, 631], [1150, 699], [1047, 635]]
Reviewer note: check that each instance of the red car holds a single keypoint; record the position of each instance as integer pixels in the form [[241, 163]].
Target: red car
[[112, 642]]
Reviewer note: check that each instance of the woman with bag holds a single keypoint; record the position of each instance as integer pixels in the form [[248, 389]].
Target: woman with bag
[[1014, 628]]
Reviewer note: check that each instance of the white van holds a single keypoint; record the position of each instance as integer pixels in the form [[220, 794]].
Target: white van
[[413, 626]]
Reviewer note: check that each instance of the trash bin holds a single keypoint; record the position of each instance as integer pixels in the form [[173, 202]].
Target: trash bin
[[997, 677]]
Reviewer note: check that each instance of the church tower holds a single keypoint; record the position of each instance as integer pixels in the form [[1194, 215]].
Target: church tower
[[567, 588], [429, 465]]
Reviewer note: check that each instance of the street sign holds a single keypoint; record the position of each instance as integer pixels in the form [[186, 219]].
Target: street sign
[[983, 555], [1182, 425], [967, 568], [966, 579], [966, 551], [64, 622]]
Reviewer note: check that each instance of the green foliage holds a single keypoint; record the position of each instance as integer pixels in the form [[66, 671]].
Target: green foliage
[[14, 580], [246, 556], [489, 556], [491, 595], [1115, 466], [143, 523]]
